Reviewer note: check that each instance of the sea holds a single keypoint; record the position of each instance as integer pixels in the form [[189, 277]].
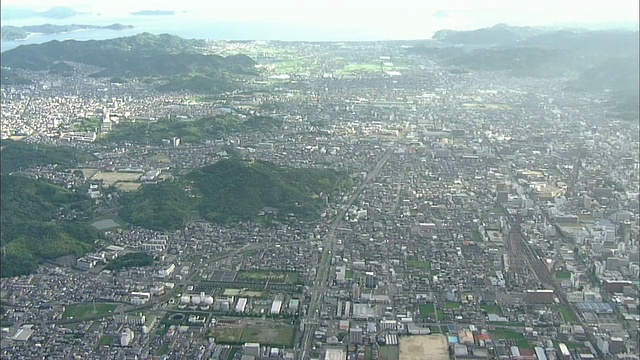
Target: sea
[[191, 27]]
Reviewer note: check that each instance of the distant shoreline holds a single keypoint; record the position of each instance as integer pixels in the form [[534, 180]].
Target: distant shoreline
[[153, 13]]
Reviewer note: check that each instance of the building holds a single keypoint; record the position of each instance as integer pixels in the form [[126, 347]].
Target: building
[[335, 354], [241, 305], [251, 349], [126, 337], [355, 335], [129, 319], [140, 298], [276, 306]]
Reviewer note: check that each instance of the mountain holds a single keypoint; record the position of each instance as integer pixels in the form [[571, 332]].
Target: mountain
[[58, 12], [32, 225], [13, 33], [168, 60], [500, 34], [598, 43], [236, 190], [156, 206]]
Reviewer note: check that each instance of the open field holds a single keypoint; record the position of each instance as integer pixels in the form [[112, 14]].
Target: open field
[[560, 274], [82, 310], [492, 309], [452, 305], [500, 333], [127, 186], [110, 178], [432, 347], [389, 353], [269, 333], [427, 309]]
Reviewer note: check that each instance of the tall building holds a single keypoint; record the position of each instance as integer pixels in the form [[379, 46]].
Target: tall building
[[355, 335], [126, 337]]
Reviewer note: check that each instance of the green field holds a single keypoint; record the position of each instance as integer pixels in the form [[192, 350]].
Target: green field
[[427, 309], [389, 353], [562, 274], [500, 333], [359, 68], [106, 340], [424, 265], [492, 309], [453, 305], [83, 310], [567, 314], [279, 335], [475, 235], [348, 274], [273, 335]]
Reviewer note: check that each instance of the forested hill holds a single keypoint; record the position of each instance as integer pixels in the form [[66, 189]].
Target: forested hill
[[177, 63]]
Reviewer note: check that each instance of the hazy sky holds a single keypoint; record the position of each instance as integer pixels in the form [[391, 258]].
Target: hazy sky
[[402, 18]]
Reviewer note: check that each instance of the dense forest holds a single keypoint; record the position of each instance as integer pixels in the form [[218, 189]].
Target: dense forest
[[236, 190], [173, 63], [18, 155], [163, 206], [41, 221]]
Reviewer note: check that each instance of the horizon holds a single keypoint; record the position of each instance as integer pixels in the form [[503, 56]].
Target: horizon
[[404, 20]]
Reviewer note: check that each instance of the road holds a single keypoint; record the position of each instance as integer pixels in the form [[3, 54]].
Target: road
[[319, 285]]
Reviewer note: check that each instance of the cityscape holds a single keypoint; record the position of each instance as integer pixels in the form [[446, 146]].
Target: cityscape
[[422, 210]]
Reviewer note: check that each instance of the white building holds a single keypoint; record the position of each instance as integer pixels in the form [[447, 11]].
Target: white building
[[126, 337], [276, 306], [241, 305]]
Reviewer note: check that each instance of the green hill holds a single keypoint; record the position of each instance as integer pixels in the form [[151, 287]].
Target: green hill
[[235, 190], [18, 155], [163, 206], [168, 60], [31, 229], [191, 131]]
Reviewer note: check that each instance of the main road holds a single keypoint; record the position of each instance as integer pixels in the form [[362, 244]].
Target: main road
[[319, 285]]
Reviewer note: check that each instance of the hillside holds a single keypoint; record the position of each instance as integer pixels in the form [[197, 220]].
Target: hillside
[[500, 34], [31, 227], [191, 131], [18, 155], [235, 190], [164, 206], [10, 33], [165, 59]]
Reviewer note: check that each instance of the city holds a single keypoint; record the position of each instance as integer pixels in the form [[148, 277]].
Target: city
[[487, 216]]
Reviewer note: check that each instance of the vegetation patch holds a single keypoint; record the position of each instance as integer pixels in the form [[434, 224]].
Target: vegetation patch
[[30, 227], [107, 340], [427, 309], [424, 265], [130, 260], [163, 206], [278, 335], [83, 310], [562, 274], [567, 315], [452, 305], [492, 309]]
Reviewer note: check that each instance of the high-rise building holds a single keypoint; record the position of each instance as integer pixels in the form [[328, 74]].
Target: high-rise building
[[355, 335]]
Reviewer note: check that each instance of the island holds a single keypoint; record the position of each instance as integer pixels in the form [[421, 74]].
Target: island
[[153, 12], [17, 33]]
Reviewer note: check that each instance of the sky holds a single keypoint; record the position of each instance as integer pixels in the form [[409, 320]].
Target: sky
[[397, 18]]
